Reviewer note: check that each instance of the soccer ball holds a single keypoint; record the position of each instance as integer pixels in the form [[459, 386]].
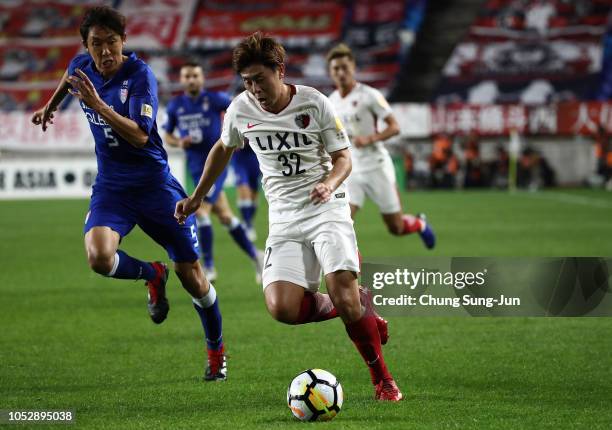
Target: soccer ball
[[315, 394]]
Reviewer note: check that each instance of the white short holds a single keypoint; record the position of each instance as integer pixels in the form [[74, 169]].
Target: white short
[[299, 250], [379, 185]]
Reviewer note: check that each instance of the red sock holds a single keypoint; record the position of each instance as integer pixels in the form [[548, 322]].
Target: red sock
[[364, 334], [412, 224], [316, 307]]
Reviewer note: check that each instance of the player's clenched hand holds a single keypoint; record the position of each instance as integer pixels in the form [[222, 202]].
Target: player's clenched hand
[[185, 142], [184, 208], [84, 90], [42, 117], [321, 193], [361, 141]]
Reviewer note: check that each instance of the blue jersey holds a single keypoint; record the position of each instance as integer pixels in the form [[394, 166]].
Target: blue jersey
[[199, 118], [246, 167], [132, 93]]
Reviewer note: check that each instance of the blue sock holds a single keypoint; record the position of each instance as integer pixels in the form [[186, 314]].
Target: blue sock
[[206, 240], [240, 237], [247, 209], [126, 267], [208, 309]]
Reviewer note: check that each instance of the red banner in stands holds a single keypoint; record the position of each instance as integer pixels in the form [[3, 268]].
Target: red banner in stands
[[485, 120], [569, 118], [29, 62], [379, 12], [157, 24], [528, 52], [297, 25], [44, 20], [585, 117]]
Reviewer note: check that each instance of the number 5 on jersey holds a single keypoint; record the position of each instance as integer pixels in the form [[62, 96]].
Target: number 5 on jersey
[[110, 137]]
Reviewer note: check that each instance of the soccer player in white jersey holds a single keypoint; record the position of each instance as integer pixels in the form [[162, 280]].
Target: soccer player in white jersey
[[360, 108], [303, 152]]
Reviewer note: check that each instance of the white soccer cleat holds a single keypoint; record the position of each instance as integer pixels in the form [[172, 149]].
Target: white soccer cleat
[[251, 234], [259, 264], [211, 274]]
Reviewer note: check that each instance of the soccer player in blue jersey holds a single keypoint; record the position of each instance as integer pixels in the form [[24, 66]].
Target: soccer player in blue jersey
[[197, 115], [248, 177], [118, 94]]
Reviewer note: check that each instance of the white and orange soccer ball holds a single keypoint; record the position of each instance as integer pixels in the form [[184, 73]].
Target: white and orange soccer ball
[[315, 395]]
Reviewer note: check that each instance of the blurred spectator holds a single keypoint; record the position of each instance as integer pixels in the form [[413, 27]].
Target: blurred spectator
[[443, 163], [4, 19], [474, 175], [41, 19], [7, 102], [499, 168], [603, 153], [409, 182], [14, 63], [534, 172], [33, 100]]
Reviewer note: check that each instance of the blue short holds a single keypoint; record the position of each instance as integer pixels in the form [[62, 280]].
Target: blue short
[[152, 209], [195, 164], [246, 167]]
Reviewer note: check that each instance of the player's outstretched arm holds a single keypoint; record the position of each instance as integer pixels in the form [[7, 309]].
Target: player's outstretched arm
[[341, 162], [217, 160], [84, 89], [44, 115]]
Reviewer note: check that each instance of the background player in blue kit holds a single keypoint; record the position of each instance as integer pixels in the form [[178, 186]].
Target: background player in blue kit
[[248, 177], [134, 186], [197, 114]]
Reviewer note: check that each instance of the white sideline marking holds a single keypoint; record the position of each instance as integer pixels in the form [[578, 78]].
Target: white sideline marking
[[572, 199]]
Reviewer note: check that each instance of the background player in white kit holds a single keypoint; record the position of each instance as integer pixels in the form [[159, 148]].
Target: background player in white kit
[[360, 107], [302, 149]]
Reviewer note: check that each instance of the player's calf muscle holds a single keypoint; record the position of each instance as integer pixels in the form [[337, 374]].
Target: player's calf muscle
[[343, 291], [395, 229], [192, 278], [394, 223]]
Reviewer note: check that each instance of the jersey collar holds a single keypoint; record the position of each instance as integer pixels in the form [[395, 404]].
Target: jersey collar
[[357, 84], [131, 58], [292, 92], [196, 99]]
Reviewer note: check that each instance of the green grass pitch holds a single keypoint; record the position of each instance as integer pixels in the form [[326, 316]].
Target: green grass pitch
[[71, 339]]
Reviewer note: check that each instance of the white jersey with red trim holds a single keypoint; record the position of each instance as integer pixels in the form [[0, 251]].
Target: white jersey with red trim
[[360, 111], [292, 148]]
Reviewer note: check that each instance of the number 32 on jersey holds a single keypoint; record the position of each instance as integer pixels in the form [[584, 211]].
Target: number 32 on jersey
[[291, 164]]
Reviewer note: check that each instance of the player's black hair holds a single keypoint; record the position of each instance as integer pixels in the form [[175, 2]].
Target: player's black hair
[[258, 49], [102, 16], [191, 63]]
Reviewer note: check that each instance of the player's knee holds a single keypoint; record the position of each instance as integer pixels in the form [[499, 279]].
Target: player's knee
[[348, 309], [225, 219], [100, 262], [280, 312], [192, 278]]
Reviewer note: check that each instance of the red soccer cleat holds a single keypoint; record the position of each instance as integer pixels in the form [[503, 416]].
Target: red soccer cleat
[[158, 304], [387, 390], [216, 369]]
